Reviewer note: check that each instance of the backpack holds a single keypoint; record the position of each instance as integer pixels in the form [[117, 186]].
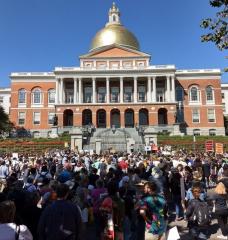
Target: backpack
[[201, 213]]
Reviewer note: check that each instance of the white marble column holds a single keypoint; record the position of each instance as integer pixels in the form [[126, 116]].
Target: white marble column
[[107, 91], [135, 90], [61, 91], [94, 89], [75, 90], [121, 89], [173, 95], [79, 90], [167, 89], [154, 92], [57, 91], [149, 89]]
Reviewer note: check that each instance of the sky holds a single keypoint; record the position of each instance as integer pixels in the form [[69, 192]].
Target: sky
[[39, 35]]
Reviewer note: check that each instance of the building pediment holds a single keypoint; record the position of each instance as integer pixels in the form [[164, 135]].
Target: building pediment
[[115, 51]]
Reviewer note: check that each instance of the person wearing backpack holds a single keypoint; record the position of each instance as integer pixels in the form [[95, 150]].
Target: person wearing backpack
[[198, 216]]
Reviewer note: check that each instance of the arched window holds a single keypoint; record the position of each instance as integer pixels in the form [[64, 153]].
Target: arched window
[[196, 132], [179, 94], [51, 96], [212, 132], [36, 96], [194, 94], [209, 94], [22, 96]]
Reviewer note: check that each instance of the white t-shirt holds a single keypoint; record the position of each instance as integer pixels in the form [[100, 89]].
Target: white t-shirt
[[8, 232]]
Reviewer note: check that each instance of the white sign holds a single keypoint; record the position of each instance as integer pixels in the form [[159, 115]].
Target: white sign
[[147, 148], [173, 234], [15, 155]]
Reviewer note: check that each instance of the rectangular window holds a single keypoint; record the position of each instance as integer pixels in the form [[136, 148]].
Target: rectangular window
[[142, 94], [127, 94], [21, 118], [36, 118], [37, 97], [114, 94], [101, 94], [50, 117], [211, 115], [88, 94], [1, 99], [21, 97], [223, 95], [51, 97], [195, 115]]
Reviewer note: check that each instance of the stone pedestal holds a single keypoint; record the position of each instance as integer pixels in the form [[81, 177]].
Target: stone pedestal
[[150, 136], [76, 139], [98, 146], [176, 129], [54, 132], [130, 145]]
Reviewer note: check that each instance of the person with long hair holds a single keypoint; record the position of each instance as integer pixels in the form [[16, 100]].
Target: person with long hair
[[152, 209]]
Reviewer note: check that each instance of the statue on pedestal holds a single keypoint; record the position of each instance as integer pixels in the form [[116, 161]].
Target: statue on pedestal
[[55, 120]]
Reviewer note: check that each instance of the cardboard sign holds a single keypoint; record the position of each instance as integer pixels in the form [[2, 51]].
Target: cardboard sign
[[219, 148], [209, 146]]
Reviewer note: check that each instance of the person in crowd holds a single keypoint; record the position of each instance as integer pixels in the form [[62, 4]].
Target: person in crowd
[[61, 220], [198, 226], [8, 229], [220, 204], [152, 209], [4, 172]]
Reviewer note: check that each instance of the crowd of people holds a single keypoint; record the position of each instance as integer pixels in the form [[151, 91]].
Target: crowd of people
[[67, 195]]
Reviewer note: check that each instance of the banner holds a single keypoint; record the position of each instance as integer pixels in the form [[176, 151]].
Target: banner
[[219, 148], [209, 146]]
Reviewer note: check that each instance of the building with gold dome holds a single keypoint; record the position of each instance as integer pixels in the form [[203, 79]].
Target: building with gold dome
[[116, 87]]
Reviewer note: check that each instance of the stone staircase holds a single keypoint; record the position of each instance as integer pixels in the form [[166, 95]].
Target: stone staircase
[[119, 139]]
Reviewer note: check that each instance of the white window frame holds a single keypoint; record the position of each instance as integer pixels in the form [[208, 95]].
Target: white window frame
[[212, 101], [198, 101], [51, 91], [213, 114], [22, 104], [198, 110], [19, 118], [49, 114], [34, 113], [40, 104]]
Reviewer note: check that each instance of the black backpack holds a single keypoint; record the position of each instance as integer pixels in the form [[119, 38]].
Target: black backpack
[[201, 213]]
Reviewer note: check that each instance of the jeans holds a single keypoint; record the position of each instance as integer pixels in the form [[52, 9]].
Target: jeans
[[178, 206]]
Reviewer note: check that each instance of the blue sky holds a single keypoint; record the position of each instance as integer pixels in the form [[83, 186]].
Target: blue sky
[[39, 35]]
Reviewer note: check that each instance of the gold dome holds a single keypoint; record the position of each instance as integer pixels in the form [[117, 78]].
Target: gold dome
[[114, 33]]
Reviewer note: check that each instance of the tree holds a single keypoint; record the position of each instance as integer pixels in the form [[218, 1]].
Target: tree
[[218, 26], [5, 124]]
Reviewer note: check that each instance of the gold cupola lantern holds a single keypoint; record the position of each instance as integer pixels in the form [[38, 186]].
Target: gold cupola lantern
[[114, 33]]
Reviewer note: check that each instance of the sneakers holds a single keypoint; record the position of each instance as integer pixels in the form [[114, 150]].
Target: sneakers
[[222, 237]]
